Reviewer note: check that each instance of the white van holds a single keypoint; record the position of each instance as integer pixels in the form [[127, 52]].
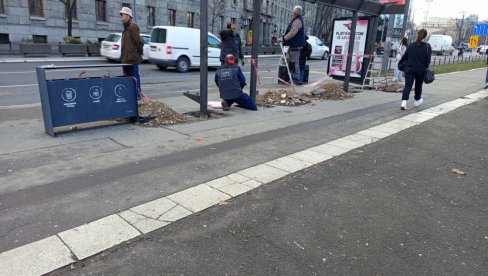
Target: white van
[[180, 47], [441, 44], [319, 50]]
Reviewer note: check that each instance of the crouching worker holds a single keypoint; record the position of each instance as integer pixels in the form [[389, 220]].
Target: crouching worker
[[230, 81]]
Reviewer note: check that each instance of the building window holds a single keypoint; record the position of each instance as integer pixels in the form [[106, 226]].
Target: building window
[[126, 5], [4, 39], [233, 20], [221, 23], [151, 16], [2, 8], [35, 8], [172, 17], [244, 4], [190, 17], [39, 38], [74, 13], [234, 2], [101, 10]]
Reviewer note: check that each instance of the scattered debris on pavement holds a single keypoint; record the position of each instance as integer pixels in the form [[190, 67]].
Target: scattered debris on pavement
[[223, 202], [457, 171], [330, 91], [162, 113], [165, 115], [281, 97], [391, 87]]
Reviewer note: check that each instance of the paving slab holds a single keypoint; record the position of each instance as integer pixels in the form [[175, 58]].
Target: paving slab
[[36, 258], [263, 173], [94, 237], [198, 198]]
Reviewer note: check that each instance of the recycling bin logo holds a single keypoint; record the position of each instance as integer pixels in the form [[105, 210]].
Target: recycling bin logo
[[68, 95], [120, 91], [95, 92]]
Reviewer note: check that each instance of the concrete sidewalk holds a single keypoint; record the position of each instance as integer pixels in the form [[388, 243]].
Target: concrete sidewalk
[[393, 207], [50, 185]]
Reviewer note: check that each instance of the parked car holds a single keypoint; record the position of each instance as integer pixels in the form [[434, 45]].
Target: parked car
[[110, 46], [482, 49], [441, 44], [319, 50], [465, 47], [180, 47]]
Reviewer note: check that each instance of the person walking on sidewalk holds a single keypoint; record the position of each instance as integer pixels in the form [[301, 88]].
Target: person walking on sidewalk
[[304, 54], [230, 80], [417, 56], [295, 38], [132, 47], [401, 51], [486, 81], [231, 44]]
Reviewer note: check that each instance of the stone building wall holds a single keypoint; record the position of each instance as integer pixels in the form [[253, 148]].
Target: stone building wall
[[20, 25]]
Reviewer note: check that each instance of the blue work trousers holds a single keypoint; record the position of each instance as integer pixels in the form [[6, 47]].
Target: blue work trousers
[[244, 101]]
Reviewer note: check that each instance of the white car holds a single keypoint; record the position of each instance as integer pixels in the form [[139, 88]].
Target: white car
[[482, 49], [180, 47], [319, 50], [110, 47]]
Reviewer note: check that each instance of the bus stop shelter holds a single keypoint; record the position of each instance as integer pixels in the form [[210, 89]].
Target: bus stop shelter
[[373, 8]]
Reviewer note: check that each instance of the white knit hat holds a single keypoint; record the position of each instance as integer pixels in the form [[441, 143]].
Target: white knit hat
[[126, 10]]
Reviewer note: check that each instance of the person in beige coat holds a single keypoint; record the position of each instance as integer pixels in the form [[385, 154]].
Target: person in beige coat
[[132, 47]]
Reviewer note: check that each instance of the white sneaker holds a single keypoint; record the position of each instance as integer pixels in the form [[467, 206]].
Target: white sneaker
[[404, 105], [419, 102]]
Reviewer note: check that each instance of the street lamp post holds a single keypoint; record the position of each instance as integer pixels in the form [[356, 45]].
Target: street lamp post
[[427, 12]]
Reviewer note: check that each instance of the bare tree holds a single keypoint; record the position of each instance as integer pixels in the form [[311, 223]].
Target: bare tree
[[460, 27], [217, 10], [322, 26], [70, 7]]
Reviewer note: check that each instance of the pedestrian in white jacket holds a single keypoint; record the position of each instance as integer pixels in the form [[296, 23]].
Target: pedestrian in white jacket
[[401, 51]]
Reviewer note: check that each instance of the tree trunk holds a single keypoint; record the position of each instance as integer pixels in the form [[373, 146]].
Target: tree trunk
[[70, 5]]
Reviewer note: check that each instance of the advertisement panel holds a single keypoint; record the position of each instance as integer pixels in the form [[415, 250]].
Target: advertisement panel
[[340, 46]]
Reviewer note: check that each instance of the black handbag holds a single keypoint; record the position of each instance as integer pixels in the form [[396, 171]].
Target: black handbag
[[429, 76], [402, 65]]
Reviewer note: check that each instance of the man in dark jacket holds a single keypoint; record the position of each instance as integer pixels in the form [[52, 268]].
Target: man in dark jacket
[[295, 38], [304, 54], [230, 81], [486, 81], [231, 44], [132, 47]]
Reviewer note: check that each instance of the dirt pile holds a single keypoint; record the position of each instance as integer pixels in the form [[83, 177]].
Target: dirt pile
[[330, 91], [391, 87], [281, 97], [162, 113]]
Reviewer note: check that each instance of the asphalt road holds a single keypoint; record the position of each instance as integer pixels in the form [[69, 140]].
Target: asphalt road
[[18, 81], [390, 208]]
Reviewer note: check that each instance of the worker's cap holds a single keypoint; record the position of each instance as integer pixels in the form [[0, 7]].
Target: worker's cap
[[126, 10], [230, 57]]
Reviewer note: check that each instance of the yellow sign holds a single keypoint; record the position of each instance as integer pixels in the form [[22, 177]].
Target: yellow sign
[[249, 37], [473, 41]]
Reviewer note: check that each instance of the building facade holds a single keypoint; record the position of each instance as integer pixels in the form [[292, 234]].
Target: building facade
[[46, 20]]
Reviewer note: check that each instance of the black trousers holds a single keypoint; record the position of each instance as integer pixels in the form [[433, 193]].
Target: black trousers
[[410, 78]]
